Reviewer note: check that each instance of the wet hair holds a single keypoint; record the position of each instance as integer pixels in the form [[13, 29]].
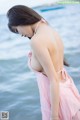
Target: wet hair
[[20, 15]]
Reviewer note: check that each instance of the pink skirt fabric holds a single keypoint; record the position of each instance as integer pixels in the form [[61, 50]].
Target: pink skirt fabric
[[69, 104]]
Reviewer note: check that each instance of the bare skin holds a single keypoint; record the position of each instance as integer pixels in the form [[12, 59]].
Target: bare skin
[[54, 44], [47, 57], [47, 49]]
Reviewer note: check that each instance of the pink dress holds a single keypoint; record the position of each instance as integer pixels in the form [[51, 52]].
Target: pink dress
[[69, 105]]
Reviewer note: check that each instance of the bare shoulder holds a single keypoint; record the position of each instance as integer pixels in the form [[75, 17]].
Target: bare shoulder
[[46, 37], [43, 36]]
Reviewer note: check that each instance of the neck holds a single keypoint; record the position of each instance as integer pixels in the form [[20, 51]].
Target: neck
[[35, 27]]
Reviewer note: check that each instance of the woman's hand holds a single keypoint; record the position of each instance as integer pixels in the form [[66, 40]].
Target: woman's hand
[[54, 118], [42, 54]]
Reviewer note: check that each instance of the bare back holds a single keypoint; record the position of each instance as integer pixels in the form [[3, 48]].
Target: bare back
[[55, 47]]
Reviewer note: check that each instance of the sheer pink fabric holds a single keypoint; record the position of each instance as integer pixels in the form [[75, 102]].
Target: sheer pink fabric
[[69, 105]]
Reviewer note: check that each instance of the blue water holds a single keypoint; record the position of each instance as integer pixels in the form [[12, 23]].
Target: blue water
[[18, 87]]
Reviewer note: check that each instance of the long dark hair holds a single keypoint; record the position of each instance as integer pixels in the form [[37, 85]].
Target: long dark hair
[[23, 15], [65, 62]]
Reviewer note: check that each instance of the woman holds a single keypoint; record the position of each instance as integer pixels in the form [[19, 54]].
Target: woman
[[59, 97]]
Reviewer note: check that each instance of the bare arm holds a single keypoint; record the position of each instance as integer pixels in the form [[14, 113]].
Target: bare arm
[[42, 54]]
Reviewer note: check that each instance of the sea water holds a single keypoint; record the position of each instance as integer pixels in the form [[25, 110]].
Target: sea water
[[19, 92]]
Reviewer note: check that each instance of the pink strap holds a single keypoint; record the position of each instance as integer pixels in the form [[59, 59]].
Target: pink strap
[[64, 74], [43, 20], [63, 71], [30, 54]]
